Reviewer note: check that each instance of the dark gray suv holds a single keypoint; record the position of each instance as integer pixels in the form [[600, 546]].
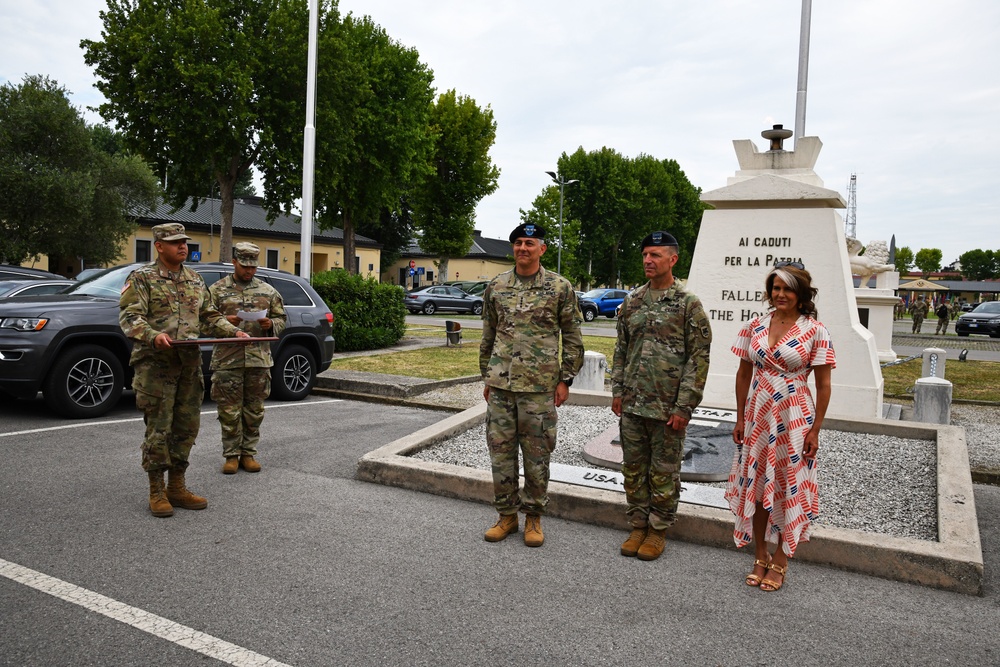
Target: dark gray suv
[[69, 346]]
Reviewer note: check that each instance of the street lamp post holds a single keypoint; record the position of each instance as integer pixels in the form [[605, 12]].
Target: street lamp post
[[562, 185]]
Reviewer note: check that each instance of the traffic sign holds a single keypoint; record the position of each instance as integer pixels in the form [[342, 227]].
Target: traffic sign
[[412, 271], [412, 263], [420, 270]]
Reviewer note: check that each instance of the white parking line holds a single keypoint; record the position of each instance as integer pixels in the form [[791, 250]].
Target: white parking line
[[155, 625], [84, 424]]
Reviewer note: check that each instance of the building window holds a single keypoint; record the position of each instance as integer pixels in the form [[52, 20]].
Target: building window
[[143, 250], [272, 258], [430, 276]]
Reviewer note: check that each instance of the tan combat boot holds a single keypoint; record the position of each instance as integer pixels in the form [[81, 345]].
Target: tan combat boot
[[635, 539], [248, 464], [158, 504], [505, 525], [653, 545], [179, 495], [533, 536], [231, 465]]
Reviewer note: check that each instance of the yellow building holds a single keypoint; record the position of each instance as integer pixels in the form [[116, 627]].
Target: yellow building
[[486, 259], [279, 240]]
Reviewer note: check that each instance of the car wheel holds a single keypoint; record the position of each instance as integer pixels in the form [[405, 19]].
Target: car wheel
[[429, 308], [589, 315], [610, 315], [477, 309], [294, 373], [86, 381]]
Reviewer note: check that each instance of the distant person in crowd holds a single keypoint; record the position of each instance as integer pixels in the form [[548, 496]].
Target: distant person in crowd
[[657, 380], [772, 486], [241, 377], [163, 303], [944, 313], [527, 311], [919, 310], [900, 309]]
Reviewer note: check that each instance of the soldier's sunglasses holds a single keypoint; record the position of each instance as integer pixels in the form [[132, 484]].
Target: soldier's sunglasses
[[794, 265]]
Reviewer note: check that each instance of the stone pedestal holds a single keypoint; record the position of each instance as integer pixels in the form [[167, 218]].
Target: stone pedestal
[[933, 363], [932, 400], [776, 208], [591, 375], [875, 311]]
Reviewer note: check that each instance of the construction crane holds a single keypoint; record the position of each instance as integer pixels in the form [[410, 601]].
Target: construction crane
[[851, 217]]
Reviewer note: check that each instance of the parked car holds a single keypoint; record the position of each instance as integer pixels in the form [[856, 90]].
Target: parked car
[[985, 319], [32, 287], [968, 307], [429, 300], [587, 306], [477, 288], [12, 272], [607, 300], [70, 347], [86, 273]]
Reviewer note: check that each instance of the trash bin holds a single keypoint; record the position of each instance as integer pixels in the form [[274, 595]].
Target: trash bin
[[453, 330]]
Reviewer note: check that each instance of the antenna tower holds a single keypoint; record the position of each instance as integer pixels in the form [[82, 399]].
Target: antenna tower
[[851, 224]]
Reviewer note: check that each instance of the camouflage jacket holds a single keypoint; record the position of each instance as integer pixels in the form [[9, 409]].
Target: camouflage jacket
[[229, 297], [919, 307], [155, 300], [661, 357], [522, 322]]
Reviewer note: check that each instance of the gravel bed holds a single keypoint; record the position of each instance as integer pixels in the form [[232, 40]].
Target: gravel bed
[[877, 484], [982, 434]]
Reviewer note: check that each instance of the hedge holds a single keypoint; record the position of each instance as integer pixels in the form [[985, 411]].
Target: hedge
[[368, 315]]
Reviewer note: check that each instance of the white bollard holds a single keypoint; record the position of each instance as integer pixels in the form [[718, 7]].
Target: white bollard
[[591, 375], [932, 400], [934, 358]]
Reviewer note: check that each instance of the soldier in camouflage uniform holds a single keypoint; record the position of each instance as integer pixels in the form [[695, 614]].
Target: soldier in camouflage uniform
[[160, 303], [919, 310], [944, 313], [657, 380], [526, 309], [242, 372]]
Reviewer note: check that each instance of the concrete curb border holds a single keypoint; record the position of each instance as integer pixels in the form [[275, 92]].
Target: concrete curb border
[[953, 563]]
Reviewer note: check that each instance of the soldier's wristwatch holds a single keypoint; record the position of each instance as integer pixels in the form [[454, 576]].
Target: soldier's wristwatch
[[568, 383]]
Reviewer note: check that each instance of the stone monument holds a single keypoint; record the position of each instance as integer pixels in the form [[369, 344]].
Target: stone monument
[[875, 305], [775, 208]]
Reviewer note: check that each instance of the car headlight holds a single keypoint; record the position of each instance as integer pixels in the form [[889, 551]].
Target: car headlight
[[24, 323]]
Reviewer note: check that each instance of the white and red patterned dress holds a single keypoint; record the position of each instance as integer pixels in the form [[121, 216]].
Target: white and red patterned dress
[[769, 467]]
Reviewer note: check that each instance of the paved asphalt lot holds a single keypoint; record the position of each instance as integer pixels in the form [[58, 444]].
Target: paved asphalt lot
[[306, 566]]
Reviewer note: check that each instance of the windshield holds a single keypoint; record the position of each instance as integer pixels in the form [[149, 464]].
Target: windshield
[[594, 294], [107, 284], [988, 307]]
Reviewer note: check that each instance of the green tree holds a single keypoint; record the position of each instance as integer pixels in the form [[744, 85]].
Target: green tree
[[904, 260], [202, 88], [461, 174], [980, 264], [63, 194], [545, 212], [928, 260]]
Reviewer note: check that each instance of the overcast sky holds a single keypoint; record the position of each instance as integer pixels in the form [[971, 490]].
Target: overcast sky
[[905, 93]]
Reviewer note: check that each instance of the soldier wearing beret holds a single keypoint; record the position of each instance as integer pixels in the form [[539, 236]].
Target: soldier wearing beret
[[241, 377], [527, 310], [657, 379], [161, 303]]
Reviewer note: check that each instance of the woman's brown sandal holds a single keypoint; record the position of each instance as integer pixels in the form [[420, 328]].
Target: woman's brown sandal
[[754, 580], [771, 584]]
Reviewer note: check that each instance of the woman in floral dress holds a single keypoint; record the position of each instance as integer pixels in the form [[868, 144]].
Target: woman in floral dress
[[772, 486]]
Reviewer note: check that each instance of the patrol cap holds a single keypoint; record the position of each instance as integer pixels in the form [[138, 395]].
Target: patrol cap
[[528, 230], [246, 254], [169, 231], [659, 239]]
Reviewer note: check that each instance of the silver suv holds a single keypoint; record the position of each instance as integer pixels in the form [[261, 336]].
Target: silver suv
[[69, 346]]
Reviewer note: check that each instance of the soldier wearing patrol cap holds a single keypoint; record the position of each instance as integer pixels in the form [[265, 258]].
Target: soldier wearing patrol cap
[[241, 377], [161, 303], [657, 380], [526, 311]]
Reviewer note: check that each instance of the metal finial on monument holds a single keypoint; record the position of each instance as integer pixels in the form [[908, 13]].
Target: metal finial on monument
[[800, 95], [892, 250], [776, 135]]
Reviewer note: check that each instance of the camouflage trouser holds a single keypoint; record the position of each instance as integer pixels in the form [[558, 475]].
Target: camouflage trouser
[[942, 327], [528, 421], [239, 394], [918, 320], [170, 397], [651, 453]]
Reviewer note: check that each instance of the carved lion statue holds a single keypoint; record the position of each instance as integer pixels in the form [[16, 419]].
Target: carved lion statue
[[873, 261]]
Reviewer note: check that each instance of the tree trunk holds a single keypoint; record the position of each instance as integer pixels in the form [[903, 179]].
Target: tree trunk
[[443, 270], [349, 248], [227, 185]]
